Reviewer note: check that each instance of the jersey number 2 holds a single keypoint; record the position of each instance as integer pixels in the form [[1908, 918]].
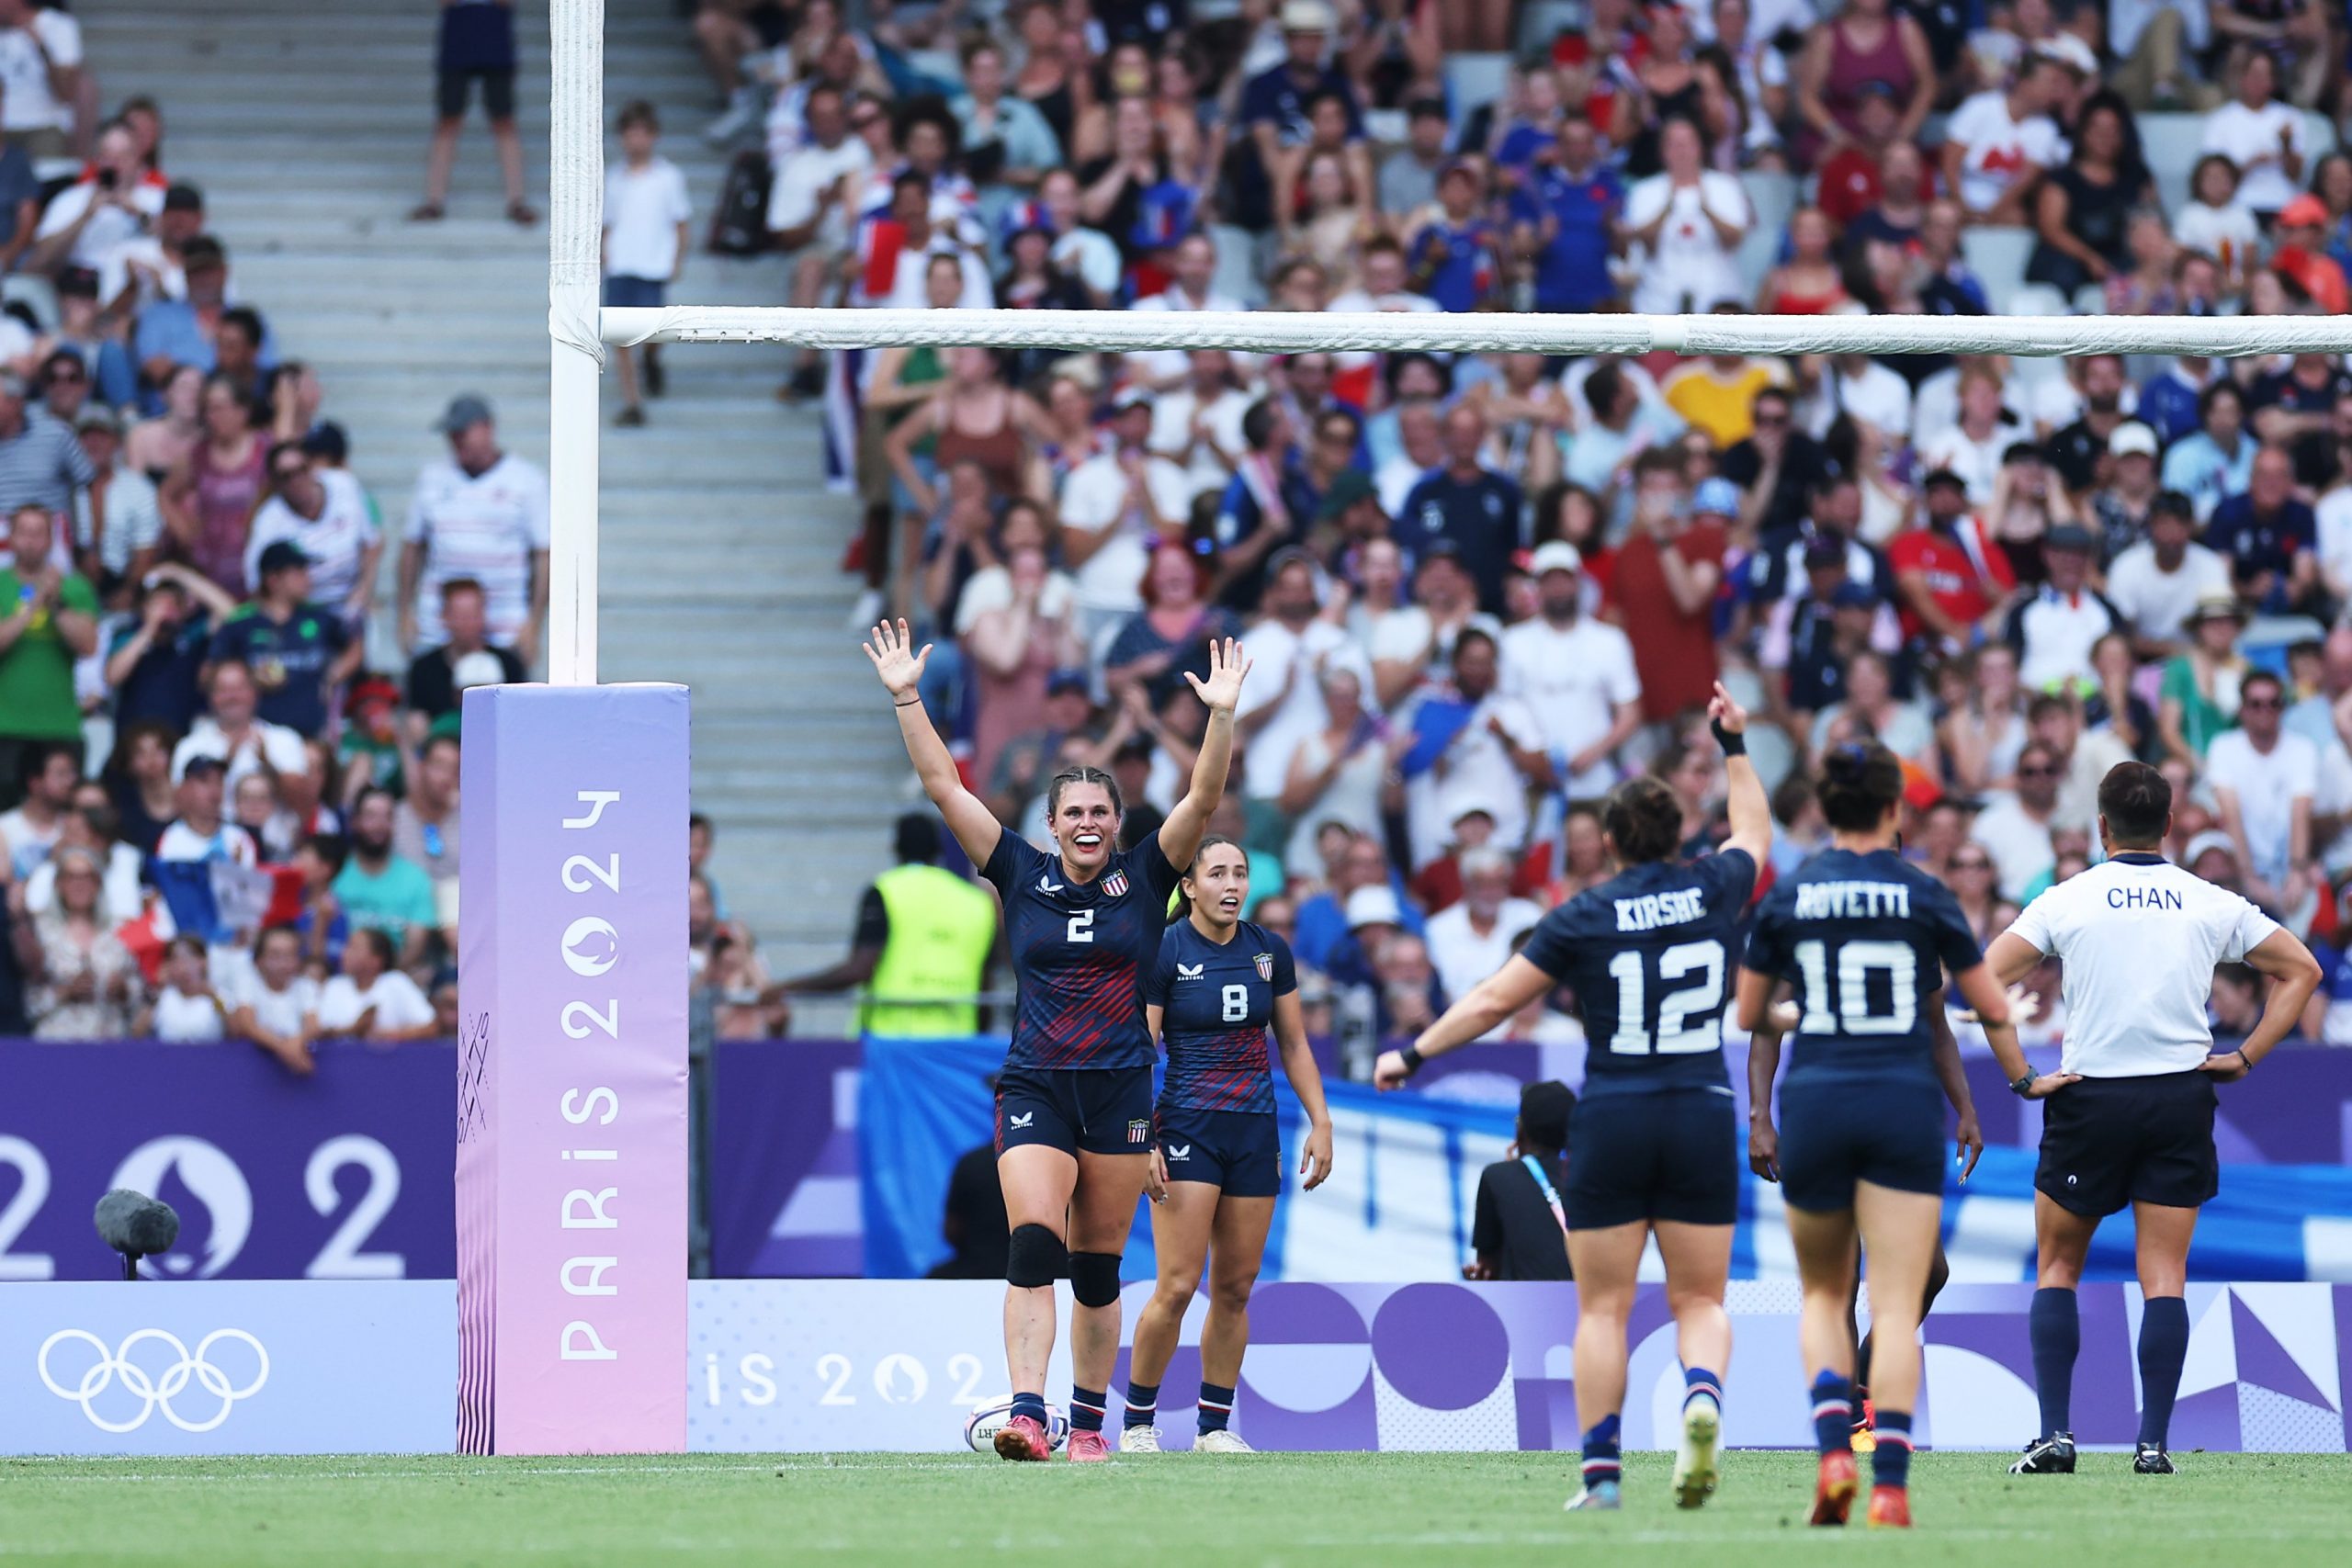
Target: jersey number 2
[[1082, 926], [1674, 1036]]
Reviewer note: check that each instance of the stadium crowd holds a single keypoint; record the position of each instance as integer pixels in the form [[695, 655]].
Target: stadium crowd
[[215, 816], [1480, 590]]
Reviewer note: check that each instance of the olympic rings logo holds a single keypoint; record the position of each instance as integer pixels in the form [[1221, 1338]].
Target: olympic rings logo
[[154, 1390]]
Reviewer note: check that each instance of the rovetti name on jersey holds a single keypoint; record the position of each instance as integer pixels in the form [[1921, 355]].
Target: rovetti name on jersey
[[1853, 901]]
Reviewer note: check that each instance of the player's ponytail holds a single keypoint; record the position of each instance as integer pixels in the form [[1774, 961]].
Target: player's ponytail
[[1185, 900], [1859, 783], [1643, 821]]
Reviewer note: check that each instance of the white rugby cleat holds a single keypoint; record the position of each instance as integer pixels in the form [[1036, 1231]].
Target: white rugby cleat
[[1224, 1440], [1698, 1460], [1139, 1439]]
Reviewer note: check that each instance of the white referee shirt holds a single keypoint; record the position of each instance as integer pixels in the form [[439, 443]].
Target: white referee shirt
[[2140, 938]]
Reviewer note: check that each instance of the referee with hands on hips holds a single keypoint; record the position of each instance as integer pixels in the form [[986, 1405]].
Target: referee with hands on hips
[[2129, 1117]]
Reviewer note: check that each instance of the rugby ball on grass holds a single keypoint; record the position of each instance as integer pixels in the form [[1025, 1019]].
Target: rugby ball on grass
[[981, 1427]]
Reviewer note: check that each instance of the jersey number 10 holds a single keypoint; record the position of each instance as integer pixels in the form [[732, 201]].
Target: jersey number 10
[[1851, 1013], [1676, 1035]]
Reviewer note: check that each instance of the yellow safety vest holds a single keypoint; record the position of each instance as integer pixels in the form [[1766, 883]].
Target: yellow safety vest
[[942, 929]]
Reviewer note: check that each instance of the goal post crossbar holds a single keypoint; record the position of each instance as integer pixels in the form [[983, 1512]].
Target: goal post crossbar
[[1275, 331]]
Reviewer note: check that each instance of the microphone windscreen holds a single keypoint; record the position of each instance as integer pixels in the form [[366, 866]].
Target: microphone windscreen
[[154, 1227], [114, 1214], [134, 1223]]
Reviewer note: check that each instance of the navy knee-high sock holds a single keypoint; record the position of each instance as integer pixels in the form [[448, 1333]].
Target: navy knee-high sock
[[1833, 1412], [2057, 1329], [2164, 1346]]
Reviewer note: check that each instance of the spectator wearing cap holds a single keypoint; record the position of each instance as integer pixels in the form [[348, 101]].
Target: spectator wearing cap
[[480, 513], [2053, 629], [118, 527], [322, 511], [2126, 498], [442, 674], [2270, 536], [1664, 588], [2156, 583], [2303, 255], [1950, 574], [299, 651], [1806, 641], [1325, 921], [1828, 532], [1517, 1228], [201, 832], [1349, 516], [155, 664], [48, 620], [1277, 106], [2199, 696], [1999, 143], [1116, 506], [2295, 408], [154, 266], [41, 462], [2216, 460], [1468, 505]]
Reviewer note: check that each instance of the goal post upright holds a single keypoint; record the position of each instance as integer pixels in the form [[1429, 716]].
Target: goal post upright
[[575, 243]]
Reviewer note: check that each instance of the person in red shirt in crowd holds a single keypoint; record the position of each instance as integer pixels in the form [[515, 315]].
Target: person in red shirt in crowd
[[1951, 577], [2303, 255], [1664, 590], [1852, 178]]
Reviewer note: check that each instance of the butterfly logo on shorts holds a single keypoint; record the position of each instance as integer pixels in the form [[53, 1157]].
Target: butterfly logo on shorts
[[1115, 885], [1021, 1120], [1188, 971], [1045, 883], [1180, 1151]]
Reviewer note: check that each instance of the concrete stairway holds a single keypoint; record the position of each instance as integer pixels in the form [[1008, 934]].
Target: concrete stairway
[[305, 124]]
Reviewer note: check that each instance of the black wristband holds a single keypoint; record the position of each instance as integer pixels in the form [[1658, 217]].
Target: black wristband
[[896, 704], [2247, 1059], [2021, 1083], [1413, 1059], [1734, 745]]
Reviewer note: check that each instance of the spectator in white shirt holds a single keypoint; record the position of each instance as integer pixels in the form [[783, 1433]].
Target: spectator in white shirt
[[1491, 758], [2261, 135], [1691, 220], [646, 212], [187, 1010], [372, 1001], [94, 221], [1198, 425], [41, 78], [273, 1004], [1193, 266], [812, 205], [327, 513], [2054, 627], [2157, 582], [1999, 143], [2264, 780], [1473, 938], [479, 512], [233, 734], [1116, 506], [199, 832], [1575, 675], [2016, 829], [1292, 647]]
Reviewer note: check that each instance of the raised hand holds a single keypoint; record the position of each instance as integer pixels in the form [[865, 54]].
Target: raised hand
[[1723, 710], [1222, 690], [895, 658]]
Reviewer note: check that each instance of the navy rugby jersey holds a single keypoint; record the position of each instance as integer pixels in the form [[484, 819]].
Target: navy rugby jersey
[[1650, 955], [1079, 952], [1217, 1002], [1866, 940]]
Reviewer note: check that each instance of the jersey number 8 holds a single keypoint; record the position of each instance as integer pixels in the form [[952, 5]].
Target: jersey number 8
[[1236, 1000], [1675, 1033], [1852, 1014]]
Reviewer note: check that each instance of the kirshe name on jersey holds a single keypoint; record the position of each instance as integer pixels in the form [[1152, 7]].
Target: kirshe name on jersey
[[1853, 901], [1652, 910]]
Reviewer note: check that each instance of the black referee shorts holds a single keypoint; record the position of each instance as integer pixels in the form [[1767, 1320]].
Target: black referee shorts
[[2107, 1143]]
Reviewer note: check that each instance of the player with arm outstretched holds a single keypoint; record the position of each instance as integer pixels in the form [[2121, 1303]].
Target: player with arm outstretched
[[2129, 1118], [1653, 1145], [1865, 939], [1073, 1105], [1220, 984]]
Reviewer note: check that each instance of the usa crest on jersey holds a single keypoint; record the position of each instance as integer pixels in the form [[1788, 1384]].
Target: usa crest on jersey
[[1265, 963], [1115, 885]]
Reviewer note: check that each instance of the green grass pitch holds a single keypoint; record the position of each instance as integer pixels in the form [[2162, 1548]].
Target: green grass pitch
[[2241, 1510]]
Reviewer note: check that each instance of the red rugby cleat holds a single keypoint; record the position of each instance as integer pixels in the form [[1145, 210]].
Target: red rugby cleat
[[1833, 1496], [1087, 1447], [1022, 1438], [1890, 1507]]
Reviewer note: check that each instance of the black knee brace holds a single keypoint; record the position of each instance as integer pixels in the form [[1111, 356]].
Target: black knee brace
[[1036, 1256], [1094, 1278]]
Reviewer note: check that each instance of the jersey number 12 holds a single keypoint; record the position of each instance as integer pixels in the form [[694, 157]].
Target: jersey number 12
[[1675, 1010]]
